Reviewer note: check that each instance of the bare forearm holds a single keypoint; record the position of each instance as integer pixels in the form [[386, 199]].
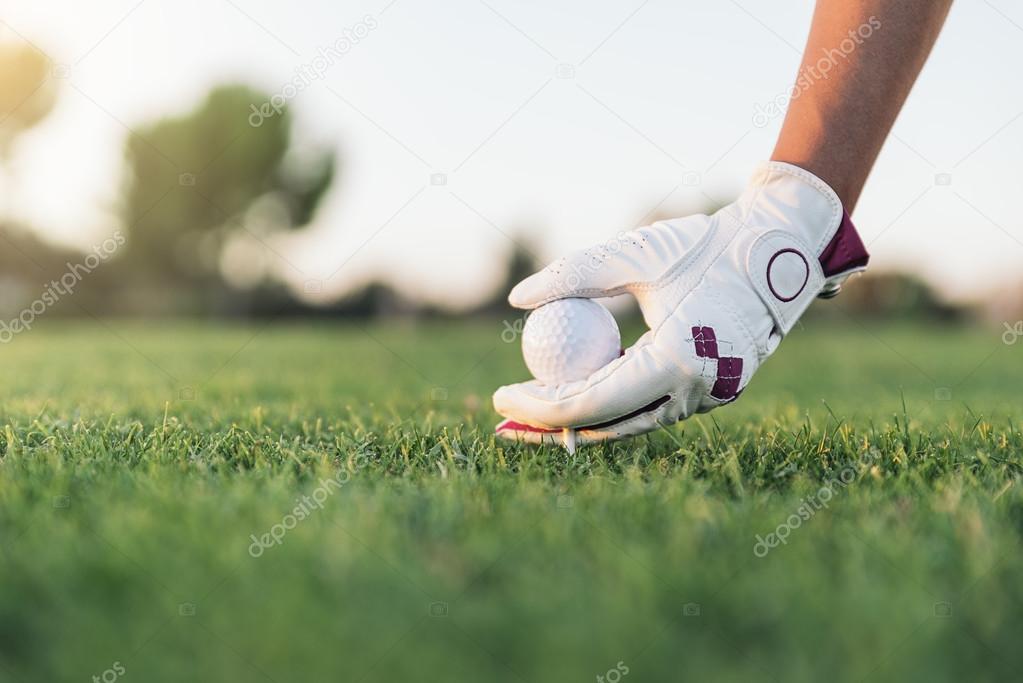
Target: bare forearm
[[860, 62]]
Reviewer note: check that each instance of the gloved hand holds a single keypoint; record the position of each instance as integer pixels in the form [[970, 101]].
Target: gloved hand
[[718, 293]]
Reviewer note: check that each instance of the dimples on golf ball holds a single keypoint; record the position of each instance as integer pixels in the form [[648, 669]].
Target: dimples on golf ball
[[569, 339]]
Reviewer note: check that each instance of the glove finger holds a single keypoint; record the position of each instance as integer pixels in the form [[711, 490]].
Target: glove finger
[[583, 274], [629, 426], [640, 381], [619, 265], [607, 269], [518, 431]]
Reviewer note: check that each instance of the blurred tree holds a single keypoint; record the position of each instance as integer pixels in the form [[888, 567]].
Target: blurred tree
[[27, 91], [891, 295], [27, 265], [222, 174], [520, 262], [27, 95], [704, 205]]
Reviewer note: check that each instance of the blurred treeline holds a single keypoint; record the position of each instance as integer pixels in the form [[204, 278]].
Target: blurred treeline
[[206, 193], [204, 196]]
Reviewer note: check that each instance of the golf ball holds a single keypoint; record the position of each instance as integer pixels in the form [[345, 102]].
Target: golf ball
[[569, 339]]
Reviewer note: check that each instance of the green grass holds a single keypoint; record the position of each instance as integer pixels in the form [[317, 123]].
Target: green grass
[[137, 460]]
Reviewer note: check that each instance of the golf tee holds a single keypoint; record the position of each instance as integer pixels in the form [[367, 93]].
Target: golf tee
[[568, 439]]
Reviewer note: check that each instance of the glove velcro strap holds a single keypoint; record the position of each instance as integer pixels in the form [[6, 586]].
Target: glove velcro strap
[[786, 274]]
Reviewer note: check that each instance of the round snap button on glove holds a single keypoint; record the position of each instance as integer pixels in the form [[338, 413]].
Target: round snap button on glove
[[718, 293]]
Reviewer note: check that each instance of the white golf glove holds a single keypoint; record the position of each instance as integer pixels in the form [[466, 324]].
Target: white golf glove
[[718, 293]]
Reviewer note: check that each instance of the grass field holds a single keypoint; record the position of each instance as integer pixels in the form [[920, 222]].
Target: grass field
[[138, 462]]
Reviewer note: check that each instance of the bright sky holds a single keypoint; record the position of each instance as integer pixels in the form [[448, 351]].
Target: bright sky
[[565, 121]]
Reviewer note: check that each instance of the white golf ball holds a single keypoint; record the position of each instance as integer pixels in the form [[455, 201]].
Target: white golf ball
[[569, 339]]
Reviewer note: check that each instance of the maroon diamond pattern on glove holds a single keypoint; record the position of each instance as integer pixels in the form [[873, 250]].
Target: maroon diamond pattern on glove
[[729, 370], [705, 341]]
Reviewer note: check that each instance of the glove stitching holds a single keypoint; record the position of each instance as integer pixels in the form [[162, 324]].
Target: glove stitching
[[677, 269], [819, 185], [736, 349], [681, 266]]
